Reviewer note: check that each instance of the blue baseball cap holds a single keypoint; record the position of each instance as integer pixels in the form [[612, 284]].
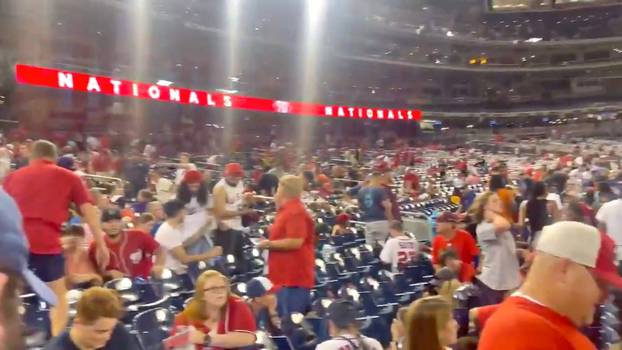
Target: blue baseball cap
[[14, 251], [258, 287], [68, 162]]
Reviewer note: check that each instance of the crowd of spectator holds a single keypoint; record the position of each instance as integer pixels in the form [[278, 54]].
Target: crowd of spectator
[[541, 227]]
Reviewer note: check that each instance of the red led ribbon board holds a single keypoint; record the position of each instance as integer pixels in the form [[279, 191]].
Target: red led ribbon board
[[75, 81]]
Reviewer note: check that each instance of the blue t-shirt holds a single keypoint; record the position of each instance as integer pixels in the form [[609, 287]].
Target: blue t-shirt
[[354, 191], [139, 207], [467, 199], [370, 202], [120, 339], [155, 228]]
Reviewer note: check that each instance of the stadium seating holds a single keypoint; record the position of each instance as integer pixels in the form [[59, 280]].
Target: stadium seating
[[152, 327], [346, 267]]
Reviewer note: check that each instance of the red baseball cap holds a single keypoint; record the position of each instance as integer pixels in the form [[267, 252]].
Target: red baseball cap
[[233, 169], [342, 218], [585, 245], [605, 269], [410, 177], [448, 217], [193, 177]]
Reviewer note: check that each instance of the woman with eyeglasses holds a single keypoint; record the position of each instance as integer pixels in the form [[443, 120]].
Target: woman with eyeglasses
[[215, 318]]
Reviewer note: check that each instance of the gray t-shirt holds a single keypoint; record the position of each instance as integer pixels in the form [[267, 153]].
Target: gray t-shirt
[[500, 270]]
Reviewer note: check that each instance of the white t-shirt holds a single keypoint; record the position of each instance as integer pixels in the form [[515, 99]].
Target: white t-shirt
[[349, 342], [213, 159], [611, 215], [233, 202], [399, 250], [500, 270], [164, 190], [197, 215], [458, 183], [92, 142], [554, 197], [149, 151], [169, 238]]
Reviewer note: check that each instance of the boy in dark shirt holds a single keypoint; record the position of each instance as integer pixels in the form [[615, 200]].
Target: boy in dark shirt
[[96, 325]]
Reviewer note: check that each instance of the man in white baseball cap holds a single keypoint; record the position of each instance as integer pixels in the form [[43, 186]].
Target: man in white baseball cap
[[570, 275]]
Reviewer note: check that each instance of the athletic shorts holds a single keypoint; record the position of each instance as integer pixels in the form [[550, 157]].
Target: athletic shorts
[[48, 268], [376, 232]]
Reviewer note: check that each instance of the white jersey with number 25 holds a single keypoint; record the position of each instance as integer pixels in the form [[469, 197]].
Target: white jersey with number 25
[[399, 251]]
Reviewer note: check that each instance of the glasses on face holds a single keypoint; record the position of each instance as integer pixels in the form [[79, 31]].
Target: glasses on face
[[216, 290]]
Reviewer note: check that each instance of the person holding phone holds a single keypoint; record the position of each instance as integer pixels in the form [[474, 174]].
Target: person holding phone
[[215, 318]]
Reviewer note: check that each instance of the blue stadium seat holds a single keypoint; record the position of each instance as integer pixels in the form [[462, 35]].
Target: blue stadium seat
[[35, 315], [177, 300], [282, 343], [172, 282], [376, 327], [153, 326], [372, 308], [139, 295], [461, 315]]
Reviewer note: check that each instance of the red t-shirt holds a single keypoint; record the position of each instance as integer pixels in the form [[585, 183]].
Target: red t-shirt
[[256, 175], [43, 192], [101, 161], [461, 165], [467, 272], [132, 255], [238, 318], [464, 245], [520, 324], [484, 313], [293, 221], [413, 179], [566, 160]]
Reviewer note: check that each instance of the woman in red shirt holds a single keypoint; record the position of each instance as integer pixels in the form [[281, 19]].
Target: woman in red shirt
[[216, 318]]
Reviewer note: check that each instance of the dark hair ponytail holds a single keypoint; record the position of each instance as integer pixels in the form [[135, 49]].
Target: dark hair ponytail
[[184, 195]]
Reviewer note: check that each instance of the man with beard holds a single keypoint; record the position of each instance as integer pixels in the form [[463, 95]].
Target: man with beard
[[14, 268], [132, 252], [229, 207]]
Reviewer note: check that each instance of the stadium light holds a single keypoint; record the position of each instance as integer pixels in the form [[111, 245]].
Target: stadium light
[[164, 83]]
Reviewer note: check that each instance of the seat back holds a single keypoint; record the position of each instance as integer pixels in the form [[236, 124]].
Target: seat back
[[153, 326]]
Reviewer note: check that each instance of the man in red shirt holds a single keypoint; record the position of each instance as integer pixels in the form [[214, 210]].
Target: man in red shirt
[[132, 252], [450, 237], [101, 162], [291, 246], [43, 192], [573, 266]]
